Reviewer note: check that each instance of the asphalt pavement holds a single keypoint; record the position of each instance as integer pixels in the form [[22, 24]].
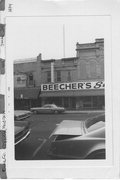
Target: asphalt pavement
[[42, 125]]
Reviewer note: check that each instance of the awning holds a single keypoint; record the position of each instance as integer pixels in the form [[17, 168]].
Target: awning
[[26, 93], [71, 93]]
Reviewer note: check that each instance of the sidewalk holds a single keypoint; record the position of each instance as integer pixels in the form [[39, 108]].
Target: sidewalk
[[84, 112]]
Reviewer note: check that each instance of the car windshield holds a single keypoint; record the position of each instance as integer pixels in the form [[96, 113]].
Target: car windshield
[[95, 123], [50, 106]]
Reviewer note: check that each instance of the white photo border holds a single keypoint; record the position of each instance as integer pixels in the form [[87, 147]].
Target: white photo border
[[79, 169]]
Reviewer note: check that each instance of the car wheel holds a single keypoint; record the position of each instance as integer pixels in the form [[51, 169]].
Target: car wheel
[[60, 112], [55, 111], [34, 112]]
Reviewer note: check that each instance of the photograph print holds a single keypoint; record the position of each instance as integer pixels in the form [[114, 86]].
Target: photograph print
[[59, 87]]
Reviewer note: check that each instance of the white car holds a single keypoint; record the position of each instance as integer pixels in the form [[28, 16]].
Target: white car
[[48, 108], [79, 139]]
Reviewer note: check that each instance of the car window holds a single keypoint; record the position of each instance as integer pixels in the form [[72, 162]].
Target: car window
[[54, 106], [96, 126], [95, 123], [46, 106], [50, 106]]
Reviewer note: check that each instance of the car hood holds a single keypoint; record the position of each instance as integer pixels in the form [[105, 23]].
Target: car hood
[[18, 129], [69, 127], [21, 112]]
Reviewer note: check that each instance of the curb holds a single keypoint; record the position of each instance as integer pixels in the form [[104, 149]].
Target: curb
[[82, 112]]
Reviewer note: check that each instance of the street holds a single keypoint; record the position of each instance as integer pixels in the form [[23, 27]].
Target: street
[[42, 125]]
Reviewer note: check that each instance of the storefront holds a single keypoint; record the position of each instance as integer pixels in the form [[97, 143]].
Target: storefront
[[75, 95], [25, 98]]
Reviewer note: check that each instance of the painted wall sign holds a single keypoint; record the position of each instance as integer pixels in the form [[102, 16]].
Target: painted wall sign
[[73, 86]]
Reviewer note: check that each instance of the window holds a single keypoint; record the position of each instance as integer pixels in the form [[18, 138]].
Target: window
[[30, 77], [48, 76], [69, 76], [18, 79], [58, 76], [95, 123], [82, 70], [93, 68], [75, 61]]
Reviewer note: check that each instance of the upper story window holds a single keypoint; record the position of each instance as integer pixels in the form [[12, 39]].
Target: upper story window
[[69, 76], [30, 80], [30, 77], [18, 79], [21, 80], [58, 76], [48, 76], [75, 61]]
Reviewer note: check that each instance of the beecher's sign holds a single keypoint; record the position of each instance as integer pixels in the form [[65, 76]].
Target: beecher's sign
[[73, 86]]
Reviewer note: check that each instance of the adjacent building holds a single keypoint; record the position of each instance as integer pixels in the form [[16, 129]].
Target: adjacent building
[[73, 82]]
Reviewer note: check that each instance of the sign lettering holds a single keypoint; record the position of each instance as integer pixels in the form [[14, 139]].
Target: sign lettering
[[73, 86]]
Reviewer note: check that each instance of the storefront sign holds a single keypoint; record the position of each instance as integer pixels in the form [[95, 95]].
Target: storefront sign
[[73, 86]]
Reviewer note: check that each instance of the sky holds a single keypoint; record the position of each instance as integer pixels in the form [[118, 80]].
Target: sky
[[53, 37]]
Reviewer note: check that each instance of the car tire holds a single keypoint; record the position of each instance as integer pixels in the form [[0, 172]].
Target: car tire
[[34, 112], [55, 111]]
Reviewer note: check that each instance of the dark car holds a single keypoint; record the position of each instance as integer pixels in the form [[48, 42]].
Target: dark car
[[48, 108], [21, 114], [79, 139], [22, 127], [22, 131]]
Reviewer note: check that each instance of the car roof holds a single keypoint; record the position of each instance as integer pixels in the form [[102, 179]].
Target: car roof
[[68, 127], [49, 105]]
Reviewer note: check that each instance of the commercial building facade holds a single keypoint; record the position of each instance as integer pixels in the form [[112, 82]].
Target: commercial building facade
[[75, 82]]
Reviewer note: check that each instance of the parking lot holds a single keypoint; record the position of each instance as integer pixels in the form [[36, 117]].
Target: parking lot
[[42, 125]]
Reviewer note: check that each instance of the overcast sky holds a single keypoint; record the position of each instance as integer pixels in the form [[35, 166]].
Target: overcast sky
[[29, 36]]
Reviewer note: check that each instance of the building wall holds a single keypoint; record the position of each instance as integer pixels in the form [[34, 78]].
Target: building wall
[[87, 65], [91, 60], [29, 67], [67, 68]]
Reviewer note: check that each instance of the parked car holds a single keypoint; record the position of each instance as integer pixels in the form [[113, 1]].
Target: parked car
[[79, 139], [48, 108], [21, 114], [22, 127], [22, 131]]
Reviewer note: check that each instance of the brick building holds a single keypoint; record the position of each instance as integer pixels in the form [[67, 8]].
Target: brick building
[[26, 83], [73, 82]]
